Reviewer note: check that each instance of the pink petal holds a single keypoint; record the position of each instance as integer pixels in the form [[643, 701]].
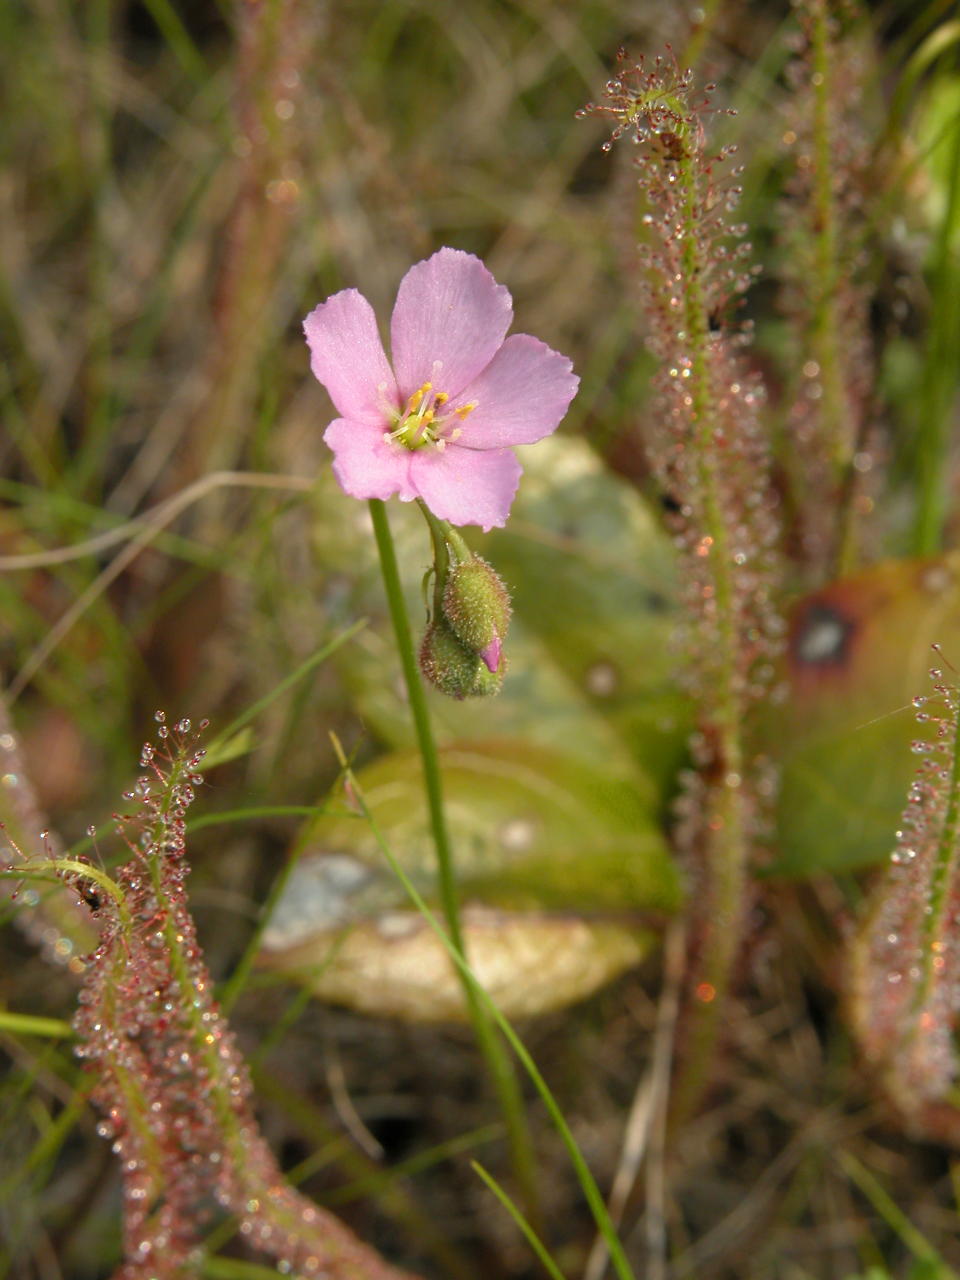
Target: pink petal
[[367, 465], [492, 653], [466, 486], [521, 395], [451, 313], [347, 356]]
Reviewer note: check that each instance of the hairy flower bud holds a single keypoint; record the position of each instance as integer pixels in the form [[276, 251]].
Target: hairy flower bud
[[453, 668], [477, 607]]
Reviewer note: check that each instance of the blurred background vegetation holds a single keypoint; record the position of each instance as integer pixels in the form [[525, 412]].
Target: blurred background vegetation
[[180, 184]]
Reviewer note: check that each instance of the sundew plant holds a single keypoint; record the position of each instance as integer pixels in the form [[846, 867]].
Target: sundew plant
[[479, 695]]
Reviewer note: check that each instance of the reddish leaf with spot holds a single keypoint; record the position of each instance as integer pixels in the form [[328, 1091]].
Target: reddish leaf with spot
[[858, 652]]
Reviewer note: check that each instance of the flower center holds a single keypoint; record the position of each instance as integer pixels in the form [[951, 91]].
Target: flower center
[[424, 423]]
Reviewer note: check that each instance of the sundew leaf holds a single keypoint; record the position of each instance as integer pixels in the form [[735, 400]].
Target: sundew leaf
[[858, 651], [558, 865], [904, 959]]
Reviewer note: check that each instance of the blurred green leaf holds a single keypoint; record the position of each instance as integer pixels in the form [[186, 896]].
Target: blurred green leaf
[[592, 578], [938, 137], [239, 744], [531, 828], [859, 652], [559, 863]]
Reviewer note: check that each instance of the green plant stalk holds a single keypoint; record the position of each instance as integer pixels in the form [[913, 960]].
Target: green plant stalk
[[693, 50], [498, 1063], [531, 1237], [178, 40], [939, 375], [390, 1186], [443, 536], [238, 979], [373, 1184], [28, 1024], [893, 1215], [45, 1150], [85, 466], [255, 708], [441, 558], [726, 862], [825, 326], [234, 1269], [233, 987], [826, 335]]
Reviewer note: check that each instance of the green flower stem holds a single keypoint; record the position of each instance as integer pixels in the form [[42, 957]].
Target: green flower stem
[[441, 558], [444, 537], [491, 1047]]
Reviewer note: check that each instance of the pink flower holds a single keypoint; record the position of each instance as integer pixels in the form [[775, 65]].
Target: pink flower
[[440, 424]]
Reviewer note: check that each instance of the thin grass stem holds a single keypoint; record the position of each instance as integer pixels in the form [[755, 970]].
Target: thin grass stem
[[585, 1178], [531, 1237]]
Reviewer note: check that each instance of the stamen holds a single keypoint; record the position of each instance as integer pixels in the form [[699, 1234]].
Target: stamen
[[424, 423], [388, 406]]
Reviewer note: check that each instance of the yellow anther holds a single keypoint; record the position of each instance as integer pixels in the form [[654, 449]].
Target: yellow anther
[[415, 401], [425, 423]]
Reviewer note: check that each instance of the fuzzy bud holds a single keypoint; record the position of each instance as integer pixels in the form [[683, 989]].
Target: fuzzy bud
[[454, 669], [477, 607]]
